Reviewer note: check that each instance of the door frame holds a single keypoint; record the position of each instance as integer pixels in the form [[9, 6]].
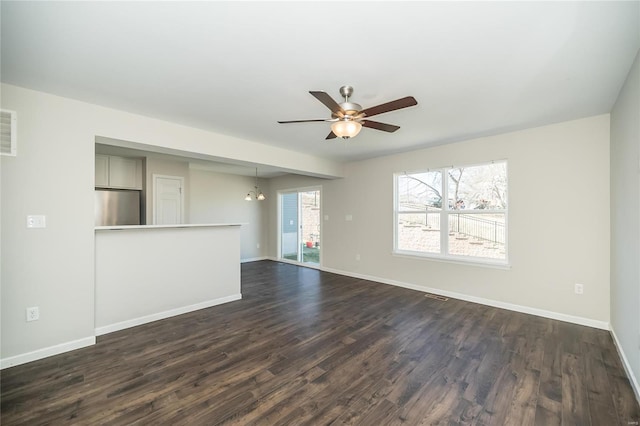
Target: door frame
[[154, 178], [279, 227]]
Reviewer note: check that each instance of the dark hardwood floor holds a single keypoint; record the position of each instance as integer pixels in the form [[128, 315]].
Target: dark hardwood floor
[[309, 347]]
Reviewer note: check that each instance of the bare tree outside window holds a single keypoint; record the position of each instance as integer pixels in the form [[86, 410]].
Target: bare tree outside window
[[471, 222]]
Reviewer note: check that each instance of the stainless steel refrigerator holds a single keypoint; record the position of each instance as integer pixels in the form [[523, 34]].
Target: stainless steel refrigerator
[[117, 207]]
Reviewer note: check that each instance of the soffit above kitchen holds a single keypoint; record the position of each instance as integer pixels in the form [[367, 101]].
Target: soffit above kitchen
[[236, 68], [109, 146]]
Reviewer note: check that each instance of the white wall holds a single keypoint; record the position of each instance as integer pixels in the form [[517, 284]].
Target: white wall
[[53, 174], [625, 221], [558, 220], [219, 198]]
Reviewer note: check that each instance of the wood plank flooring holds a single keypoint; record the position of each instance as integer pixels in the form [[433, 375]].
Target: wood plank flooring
[[309, 347]]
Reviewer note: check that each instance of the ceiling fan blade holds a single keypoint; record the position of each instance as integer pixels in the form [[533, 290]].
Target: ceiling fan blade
[[379, 126], [389, 106], [331, 136], [328, 102], [303, 121]]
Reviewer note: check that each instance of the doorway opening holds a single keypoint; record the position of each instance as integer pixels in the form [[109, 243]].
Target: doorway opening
[[300, 236]]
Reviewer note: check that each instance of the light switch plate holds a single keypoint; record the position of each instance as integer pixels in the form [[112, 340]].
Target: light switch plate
[[36, 221]]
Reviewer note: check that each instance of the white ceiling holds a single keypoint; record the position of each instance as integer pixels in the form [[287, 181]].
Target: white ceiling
[[476, 68]]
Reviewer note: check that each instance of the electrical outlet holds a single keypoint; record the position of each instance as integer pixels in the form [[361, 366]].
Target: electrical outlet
[[258, 245], [357, 257], [33, 313], [578, 288]]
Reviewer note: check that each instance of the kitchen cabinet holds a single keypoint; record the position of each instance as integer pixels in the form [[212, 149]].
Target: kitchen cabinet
[[118, 172], [102, 170]]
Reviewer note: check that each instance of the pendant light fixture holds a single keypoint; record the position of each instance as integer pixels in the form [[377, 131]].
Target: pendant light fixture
[[256, 193]]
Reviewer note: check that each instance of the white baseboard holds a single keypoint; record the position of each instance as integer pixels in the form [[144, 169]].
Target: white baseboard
[[166, 314], [603, 325], [296, 263], [46, 352], [254, 259], [627, 366]]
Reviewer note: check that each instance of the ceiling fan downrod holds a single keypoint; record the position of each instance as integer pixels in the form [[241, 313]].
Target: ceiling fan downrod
[[346, 92], [349, 109]]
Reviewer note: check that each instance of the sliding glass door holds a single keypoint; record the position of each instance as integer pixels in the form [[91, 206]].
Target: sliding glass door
[[300, 226], [289, 227]]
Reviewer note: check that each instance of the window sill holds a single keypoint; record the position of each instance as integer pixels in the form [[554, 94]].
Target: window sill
[[483, 263]]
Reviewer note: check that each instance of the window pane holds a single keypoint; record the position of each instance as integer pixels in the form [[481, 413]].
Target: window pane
[[420, 191], [477, 235], [478, 187], [419, 232]]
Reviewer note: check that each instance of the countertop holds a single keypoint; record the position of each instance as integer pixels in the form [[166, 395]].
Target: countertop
[[183, 225]]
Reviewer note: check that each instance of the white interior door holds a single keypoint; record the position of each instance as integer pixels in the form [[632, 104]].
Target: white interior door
[[168, 200]]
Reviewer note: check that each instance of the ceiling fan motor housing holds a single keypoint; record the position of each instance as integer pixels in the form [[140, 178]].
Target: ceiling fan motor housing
[[350, 110]]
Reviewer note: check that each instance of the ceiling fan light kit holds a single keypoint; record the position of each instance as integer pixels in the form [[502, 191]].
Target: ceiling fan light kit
[[346, 129], [349, 118]]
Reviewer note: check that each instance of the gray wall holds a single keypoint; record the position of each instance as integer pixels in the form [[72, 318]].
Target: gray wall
[[625, 219], [558, 221], [559, 230], [53, 175], [219, 198], [52, 268]]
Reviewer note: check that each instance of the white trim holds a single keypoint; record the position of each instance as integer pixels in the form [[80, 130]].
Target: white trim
[[179, 226], [254, 259], [445, 213], [166, 314], [467, 261], [46, 352], [627, 366], [603, 325]]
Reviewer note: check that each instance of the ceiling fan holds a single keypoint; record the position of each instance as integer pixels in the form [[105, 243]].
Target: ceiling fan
[[348, 118]]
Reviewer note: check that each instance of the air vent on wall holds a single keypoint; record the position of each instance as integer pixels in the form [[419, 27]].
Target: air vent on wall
[[8, 132]]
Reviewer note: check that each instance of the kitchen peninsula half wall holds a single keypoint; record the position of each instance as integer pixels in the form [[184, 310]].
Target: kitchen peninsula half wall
[[147, 273]]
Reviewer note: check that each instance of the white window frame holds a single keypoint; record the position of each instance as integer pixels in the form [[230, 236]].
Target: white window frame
[[445, 213]]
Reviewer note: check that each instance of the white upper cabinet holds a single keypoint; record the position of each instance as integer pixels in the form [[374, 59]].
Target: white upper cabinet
[[102, 171], [118, 172], [125, 172]]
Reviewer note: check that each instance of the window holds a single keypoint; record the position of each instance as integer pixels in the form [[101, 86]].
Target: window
[[454, 213]]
